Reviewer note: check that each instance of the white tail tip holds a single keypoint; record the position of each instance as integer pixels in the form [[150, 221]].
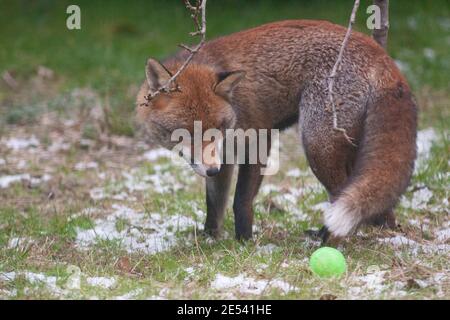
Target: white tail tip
[[340, 220]]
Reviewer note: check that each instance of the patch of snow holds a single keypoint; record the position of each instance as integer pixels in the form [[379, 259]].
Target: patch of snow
[[123, 196], [19, 243], [419, 201], [161, 182], [8, 293], [162, 295], [97, 194], [49, 282], [103, 282], [442, 235], [2, 161], [189, 270], [371, 284], [267, 249], [34, 181], [322, 206], [423, 225], [59, 145], [261, 267], [425, 140], [130, 295], [22, 164], [296, 173], [269, 188], [100, 194], [289, 202], [5, 181], [441, 207], [101, 175], [437, 280], [157, 153], [85, 212], [86, 143], [248, 285], [73, 282], [8, 276], [414, 247], [81, 166], [148, 233], [21, 143], [429, 53], [403, 66], [313, 188]]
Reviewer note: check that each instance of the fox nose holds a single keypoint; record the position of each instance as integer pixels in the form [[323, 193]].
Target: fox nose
[[212, 171]]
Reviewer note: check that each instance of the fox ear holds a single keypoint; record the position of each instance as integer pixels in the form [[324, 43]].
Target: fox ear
[[157, 75], [227, 82]]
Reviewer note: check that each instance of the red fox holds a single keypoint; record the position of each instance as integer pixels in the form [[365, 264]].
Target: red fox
[[274, 76]]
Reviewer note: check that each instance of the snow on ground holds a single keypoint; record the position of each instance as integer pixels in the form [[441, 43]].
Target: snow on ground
[[414, 247], [429, 53], [156, 154], [296, 173], [7, 180], [419, 200], [289, 203], [147, 233], [103, 282], [130, 295], [267, 249], [371, 283], [267, 189], [55, 285], [19, 243], [248, 285], [21, 143], [81, 166], [160, 182], [322, 206], [443, 235], [425, 140], [38, 279]]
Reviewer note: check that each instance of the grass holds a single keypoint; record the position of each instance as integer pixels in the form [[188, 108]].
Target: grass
[[102, 65]]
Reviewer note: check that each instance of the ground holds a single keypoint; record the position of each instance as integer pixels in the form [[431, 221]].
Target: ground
[[89, 210]]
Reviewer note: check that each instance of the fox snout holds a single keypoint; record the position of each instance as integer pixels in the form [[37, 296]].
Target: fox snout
[[210, 160], [206, 171]]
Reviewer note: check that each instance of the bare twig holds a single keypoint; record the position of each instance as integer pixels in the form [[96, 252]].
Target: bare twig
[[334, 72], [198, 14], [381, 34]]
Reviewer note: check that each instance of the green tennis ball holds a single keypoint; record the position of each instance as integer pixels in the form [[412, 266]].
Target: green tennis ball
[[327, 262]]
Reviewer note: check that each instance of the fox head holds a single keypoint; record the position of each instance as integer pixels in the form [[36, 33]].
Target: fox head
[[199, 94]]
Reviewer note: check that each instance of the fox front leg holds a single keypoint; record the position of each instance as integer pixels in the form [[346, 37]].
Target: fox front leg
[[217, 192], [249, 181]]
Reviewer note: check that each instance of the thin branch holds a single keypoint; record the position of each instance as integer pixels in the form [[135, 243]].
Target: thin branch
[[334, 72], [381, 35], [199, 9]]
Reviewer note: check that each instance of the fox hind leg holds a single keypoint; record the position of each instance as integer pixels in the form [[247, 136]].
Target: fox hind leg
[[329, 155], [385, 220]]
